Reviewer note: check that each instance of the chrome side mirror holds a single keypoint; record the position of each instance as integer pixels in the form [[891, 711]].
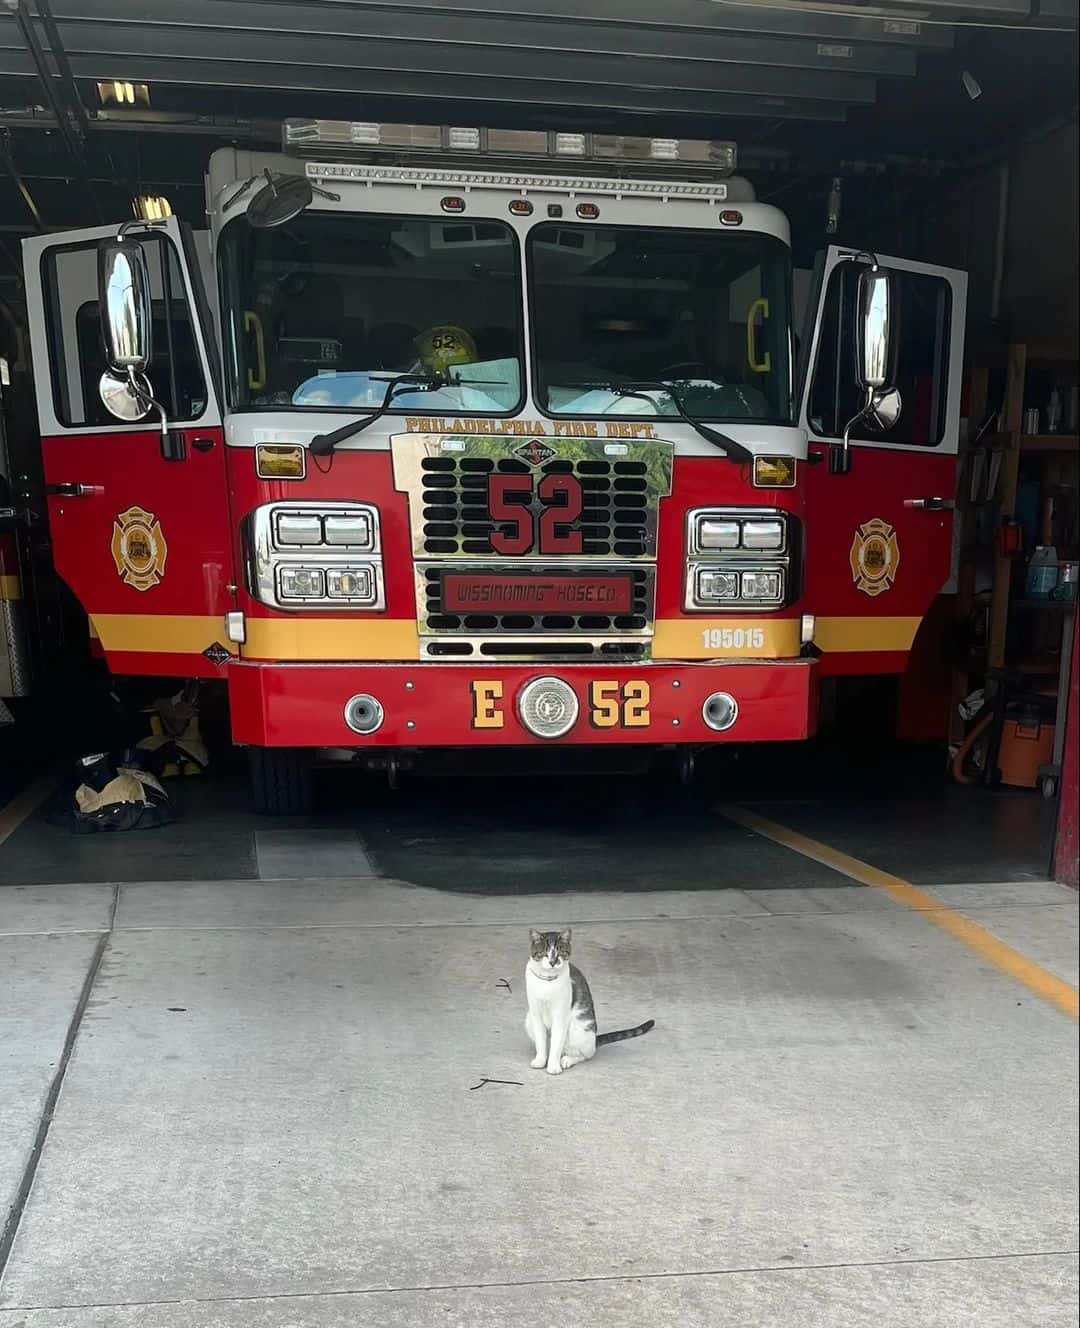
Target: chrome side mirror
[[126, 315], [874, 328], [873, 348], [885, 407], [126, 325]]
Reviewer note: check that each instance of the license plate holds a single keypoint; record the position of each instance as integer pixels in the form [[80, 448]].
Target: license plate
[[463, 593]]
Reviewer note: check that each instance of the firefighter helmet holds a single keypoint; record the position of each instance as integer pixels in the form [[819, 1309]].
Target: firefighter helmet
[[441, 347]]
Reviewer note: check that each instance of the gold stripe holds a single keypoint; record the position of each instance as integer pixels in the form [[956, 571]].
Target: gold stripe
[[331, 639], [159, 633], [1054, 990], [685, 638], [836, 635], [396, 638], [10, 587]]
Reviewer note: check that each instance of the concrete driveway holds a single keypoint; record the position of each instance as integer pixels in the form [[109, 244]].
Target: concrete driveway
[[266, 1112]]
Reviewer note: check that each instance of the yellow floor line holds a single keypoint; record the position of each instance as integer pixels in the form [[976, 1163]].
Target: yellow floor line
[[24, 804], [1054, 990]]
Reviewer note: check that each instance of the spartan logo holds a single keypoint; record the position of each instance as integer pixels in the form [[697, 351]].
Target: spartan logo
[[534, 452]]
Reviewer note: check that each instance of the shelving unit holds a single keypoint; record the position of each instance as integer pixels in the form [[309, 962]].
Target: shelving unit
[[1002, 454]]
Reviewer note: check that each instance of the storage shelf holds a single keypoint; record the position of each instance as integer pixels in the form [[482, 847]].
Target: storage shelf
[[1052, 605], [1050, 442]]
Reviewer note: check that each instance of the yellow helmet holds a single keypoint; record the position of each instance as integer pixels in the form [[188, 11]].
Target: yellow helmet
[[443, 346]]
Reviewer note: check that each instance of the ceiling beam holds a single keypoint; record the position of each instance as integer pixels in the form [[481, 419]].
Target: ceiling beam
[[444, 27], [369, 87], [794, 20], [110, 50]]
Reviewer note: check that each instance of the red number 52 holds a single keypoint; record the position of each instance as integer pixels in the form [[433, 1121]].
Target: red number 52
[[518, 530]]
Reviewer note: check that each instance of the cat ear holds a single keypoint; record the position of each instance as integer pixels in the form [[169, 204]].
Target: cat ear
[[565, 936], [534, 935]]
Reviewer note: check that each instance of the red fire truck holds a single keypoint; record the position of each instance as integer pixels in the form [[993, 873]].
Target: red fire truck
[[447, 437]]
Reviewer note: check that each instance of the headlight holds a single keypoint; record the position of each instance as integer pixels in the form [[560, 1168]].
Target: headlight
[[715, 533], [739, 558], [351, 583], [763, 535], [301, 583], [308, 554], [715, 586], [762, 586], [352, 530], [293, 528]]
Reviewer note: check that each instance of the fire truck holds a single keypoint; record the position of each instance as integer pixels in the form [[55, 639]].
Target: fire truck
[[444, 437]]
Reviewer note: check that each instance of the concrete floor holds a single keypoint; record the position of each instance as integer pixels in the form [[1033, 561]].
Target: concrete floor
[[267, 1116]]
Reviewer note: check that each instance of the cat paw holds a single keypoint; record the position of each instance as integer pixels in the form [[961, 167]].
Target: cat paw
[[554, 1069], [538, 1062], [568, 1062]]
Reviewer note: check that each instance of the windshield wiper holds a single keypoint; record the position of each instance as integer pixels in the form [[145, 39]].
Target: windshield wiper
[[732, 449], [324, 443]]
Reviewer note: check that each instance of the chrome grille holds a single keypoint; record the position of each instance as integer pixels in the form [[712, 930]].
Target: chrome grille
[[614, 521], [434, 619], [447, 478]]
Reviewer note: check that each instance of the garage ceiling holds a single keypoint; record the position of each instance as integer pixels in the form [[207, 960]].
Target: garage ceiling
[[817, 89]]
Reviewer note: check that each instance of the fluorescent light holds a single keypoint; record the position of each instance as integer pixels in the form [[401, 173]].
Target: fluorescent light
[[122, 92], [151, 207]]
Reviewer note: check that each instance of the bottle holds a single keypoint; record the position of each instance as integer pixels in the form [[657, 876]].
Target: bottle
[[1053, 412], [1042, 573]]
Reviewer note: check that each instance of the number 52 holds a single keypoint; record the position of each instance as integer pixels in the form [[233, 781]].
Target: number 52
[[619, 705]]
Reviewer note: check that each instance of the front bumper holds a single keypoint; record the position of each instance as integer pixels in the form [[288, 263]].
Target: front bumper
[[469, 705]]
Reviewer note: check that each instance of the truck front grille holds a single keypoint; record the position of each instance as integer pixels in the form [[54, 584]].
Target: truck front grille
[[614, 519], [433, 618], [454, 482]]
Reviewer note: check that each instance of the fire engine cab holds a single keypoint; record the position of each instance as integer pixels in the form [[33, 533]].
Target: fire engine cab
[[450, 437]]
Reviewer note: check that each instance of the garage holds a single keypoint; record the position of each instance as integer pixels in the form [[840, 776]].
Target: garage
[[491, 487]]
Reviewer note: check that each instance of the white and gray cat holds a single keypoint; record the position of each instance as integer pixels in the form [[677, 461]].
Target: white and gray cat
[[562, 1019]]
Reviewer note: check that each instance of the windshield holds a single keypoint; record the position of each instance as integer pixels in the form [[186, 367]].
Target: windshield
[[707, 311], [321, 312]]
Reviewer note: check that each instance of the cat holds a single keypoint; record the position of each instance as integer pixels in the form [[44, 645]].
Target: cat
[[562, 1019]]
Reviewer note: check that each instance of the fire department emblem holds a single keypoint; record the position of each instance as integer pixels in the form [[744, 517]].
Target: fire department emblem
[[875, 556], [534, 452], [138, 548]]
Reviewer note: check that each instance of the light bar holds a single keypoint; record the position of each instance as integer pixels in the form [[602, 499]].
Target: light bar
[[309, 137], [575, 184]]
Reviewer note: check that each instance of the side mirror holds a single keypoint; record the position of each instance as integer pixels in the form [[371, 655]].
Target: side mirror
[[126, 315], [874, 329], [873, 346], [126, 323]]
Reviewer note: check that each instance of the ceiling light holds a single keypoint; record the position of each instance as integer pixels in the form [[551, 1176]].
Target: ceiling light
[[151, 207], [121, 92]]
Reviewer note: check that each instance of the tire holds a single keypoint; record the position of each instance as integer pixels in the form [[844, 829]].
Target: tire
[[281, 782], [1049, 786]]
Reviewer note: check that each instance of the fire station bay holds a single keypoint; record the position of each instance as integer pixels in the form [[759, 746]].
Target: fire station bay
[[539, 709]]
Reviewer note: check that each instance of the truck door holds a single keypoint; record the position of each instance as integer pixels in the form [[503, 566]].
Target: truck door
[[140, 532], [879, 537]]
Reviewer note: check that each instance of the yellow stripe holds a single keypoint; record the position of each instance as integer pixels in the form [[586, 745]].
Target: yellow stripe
[[691, 638], [331, 638], [159, 633], [10, 587], [1054, 990], [835, 635], [22, 805]]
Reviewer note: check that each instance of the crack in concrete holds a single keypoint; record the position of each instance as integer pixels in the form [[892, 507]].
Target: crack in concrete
[[26, 1181], [747, 1270]]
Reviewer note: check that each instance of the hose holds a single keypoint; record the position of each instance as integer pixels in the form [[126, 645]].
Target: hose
[[957, 766]]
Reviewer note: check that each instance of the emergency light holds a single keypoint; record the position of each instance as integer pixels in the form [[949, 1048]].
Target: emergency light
[[307, 137]]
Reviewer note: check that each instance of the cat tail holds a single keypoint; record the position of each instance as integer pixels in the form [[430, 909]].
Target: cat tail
[[625, 1033]]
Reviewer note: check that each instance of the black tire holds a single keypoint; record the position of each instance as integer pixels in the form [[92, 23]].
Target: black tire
[[281, 782]]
